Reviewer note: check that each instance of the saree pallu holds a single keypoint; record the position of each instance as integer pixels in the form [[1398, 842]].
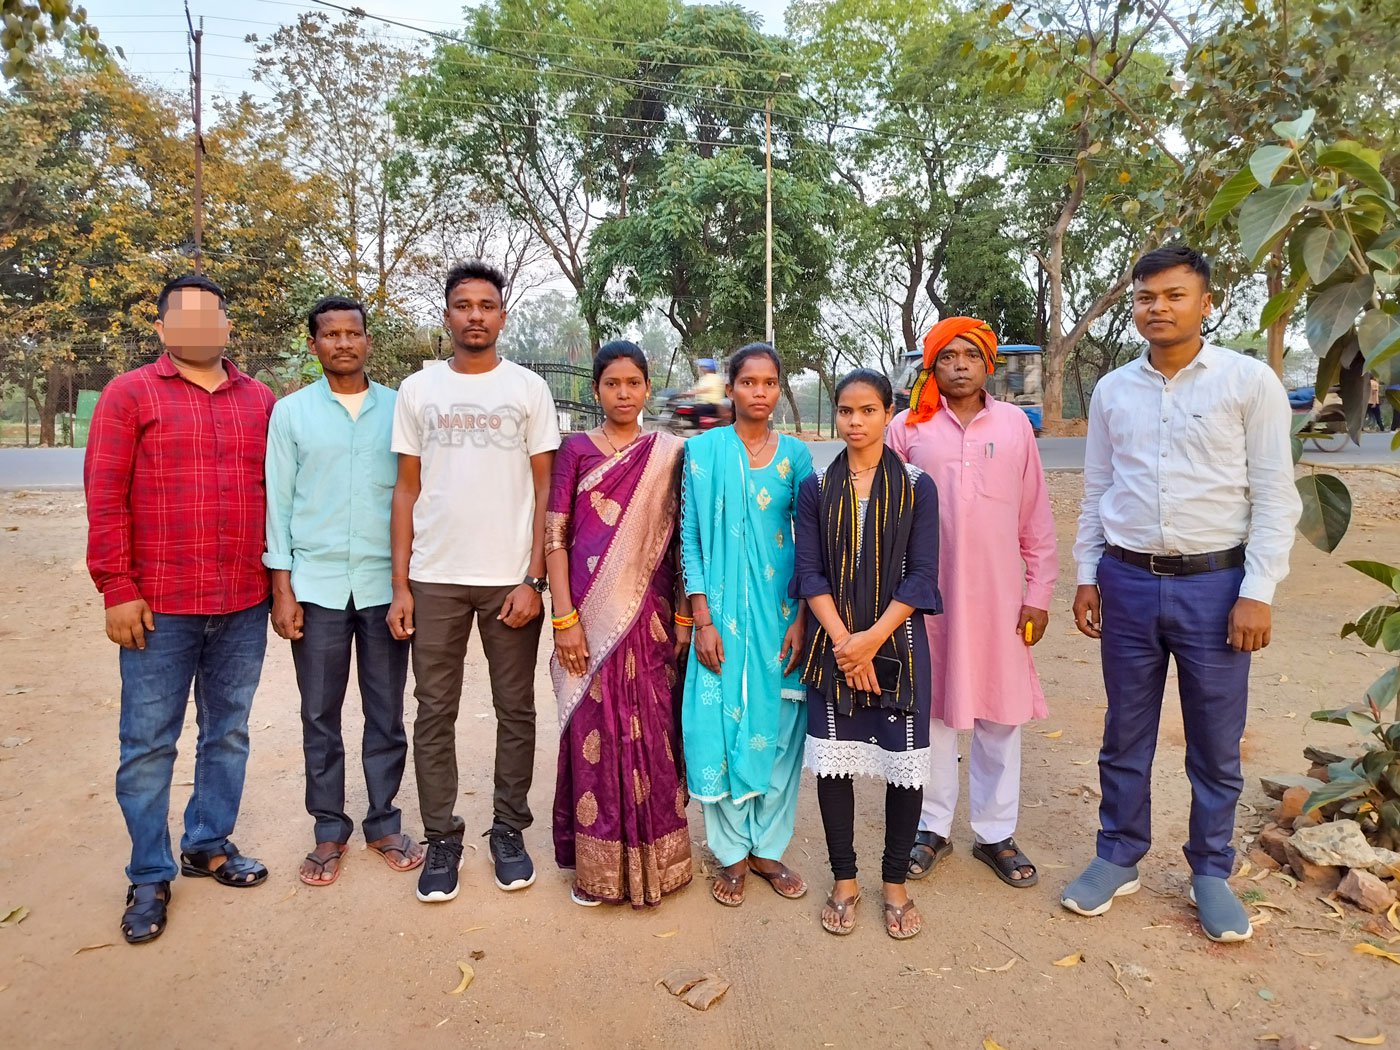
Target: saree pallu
[[620, 797]]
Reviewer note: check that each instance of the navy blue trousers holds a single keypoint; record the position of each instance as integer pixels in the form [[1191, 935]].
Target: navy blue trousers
[[322, 661], [1147, 620]]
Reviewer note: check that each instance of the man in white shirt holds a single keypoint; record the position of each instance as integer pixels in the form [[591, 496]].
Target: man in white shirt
[[1187, 521], [475, 437]]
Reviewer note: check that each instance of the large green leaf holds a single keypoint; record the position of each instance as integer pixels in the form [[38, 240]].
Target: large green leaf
[[1336, 791], [1369, 624], [1266, 213], [1282, 304], [1266, 161], [1296, 130], [1357, 166], [1390, 633], [1326, 510], [1333, 311], [1382, 691], [1390, 814], [1379, 337], [1323, 251], [1235, 189], [1378, 571]]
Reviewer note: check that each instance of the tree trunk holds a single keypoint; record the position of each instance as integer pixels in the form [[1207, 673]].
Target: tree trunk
[[48, 411], [786, 384], [1274, 279]]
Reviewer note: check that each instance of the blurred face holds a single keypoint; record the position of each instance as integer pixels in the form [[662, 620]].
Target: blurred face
[[622, 391], [474, 316], [755, 389], [1169, 307], [959, 369], [861, 416], [195, 328], [340, 343]]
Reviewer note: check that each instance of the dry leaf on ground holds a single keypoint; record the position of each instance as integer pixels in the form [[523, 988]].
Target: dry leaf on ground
[[668, 933], [996, 969], [705, 994], [991, 1044], [1380, 953], [1393, 915], [1364, 1040], [93, 947], [682, 980], [1055, 735], [14, 916], [1070, 960], [467, 975], [1337, 912]]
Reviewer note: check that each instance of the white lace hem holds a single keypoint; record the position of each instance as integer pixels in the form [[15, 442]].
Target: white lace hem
[[852, 758]]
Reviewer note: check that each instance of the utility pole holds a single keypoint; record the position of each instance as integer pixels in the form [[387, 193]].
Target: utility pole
[[768, 200], [196, 69]]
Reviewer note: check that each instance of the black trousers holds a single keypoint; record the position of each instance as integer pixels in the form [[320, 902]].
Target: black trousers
[[837, 798], [322, 661]]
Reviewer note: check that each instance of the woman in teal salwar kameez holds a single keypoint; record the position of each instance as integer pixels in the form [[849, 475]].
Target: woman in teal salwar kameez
[[743, 713]]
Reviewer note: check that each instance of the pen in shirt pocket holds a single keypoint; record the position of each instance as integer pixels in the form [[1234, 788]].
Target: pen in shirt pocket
[[989, 450]]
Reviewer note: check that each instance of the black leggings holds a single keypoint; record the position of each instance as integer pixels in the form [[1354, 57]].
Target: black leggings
[[837, 798]]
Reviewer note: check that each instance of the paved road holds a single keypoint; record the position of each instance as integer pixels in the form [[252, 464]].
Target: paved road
[[62, 468]]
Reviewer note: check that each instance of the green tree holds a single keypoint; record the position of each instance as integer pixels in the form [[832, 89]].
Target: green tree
[[541, 106], [332, 83]]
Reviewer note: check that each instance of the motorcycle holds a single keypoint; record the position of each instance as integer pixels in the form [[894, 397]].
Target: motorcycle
[[686, 417]]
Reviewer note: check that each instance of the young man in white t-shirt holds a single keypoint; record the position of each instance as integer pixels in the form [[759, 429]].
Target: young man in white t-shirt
[[475, 437]]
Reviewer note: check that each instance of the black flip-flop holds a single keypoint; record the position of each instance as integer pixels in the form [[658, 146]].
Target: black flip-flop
[[929, 848], [145, 907], [1003, 858]]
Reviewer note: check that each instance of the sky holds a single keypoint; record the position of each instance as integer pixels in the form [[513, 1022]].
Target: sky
[[152, 32]]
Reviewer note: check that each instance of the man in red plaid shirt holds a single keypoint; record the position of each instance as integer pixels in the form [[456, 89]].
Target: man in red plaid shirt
[[174, 480]]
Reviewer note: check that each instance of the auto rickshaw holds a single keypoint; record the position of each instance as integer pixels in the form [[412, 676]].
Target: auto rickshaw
[[1016, 379]]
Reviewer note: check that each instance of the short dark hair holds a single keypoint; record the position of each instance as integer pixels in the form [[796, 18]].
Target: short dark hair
[[744, 353], [1159, 259], [334, 302], [475, 270], [189, 280], [617, 350], [871, 378]]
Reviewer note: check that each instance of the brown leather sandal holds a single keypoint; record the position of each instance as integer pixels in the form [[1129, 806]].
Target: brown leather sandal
[[783, 872], [898, 912], [842, 908]]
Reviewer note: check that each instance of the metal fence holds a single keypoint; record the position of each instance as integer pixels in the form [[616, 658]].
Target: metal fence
[[48, 392]]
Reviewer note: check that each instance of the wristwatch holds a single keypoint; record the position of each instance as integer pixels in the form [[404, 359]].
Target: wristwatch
[[537, 582]]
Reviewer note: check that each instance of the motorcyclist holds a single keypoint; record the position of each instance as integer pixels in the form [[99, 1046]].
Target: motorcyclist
[[708, 392]]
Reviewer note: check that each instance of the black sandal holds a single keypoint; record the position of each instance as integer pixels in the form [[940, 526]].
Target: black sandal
[[929, 848], [1004, 858], [145, 907], [234, 871]]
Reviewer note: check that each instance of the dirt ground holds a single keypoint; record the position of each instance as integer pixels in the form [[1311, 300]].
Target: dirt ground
[[364, 964]]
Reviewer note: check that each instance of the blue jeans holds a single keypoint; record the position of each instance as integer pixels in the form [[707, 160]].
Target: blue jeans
[[1148, 620], [222, 657]]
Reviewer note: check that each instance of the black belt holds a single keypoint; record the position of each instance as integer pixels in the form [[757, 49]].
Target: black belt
[[1179, 564]]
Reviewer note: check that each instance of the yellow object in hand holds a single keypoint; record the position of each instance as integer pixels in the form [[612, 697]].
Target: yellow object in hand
[[1029, 630]]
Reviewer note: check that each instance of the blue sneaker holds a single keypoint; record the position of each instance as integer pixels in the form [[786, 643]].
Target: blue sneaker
[[1093, 892], [1222, 915]]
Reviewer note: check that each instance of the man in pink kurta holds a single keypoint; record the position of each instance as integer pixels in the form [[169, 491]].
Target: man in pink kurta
[[997, 571]]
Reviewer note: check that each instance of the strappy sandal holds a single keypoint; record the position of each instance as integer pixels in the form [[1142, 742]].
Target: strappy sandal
[[235, 871], [402, 850], [145, 907], [783, 872], [897, 912], [842, 908], [735, 883], [322, 863], [929, 848], [1004, 858]]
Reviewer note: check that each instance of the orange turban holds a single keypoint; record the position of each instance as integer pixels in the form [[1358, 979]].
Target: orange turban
[[924, 402]]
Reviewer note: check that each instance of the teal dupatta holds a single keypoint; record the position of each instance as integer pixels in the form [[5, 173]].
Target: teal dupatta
[[737, 549]]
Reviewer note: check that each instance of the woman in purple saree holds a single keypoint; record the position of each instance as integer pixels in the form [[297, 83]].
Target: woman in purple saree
[[619, 804]]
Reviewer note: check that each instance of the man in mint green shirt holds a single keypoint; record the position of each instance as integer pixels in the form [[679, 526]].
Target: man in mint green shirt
[[330, 483]]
